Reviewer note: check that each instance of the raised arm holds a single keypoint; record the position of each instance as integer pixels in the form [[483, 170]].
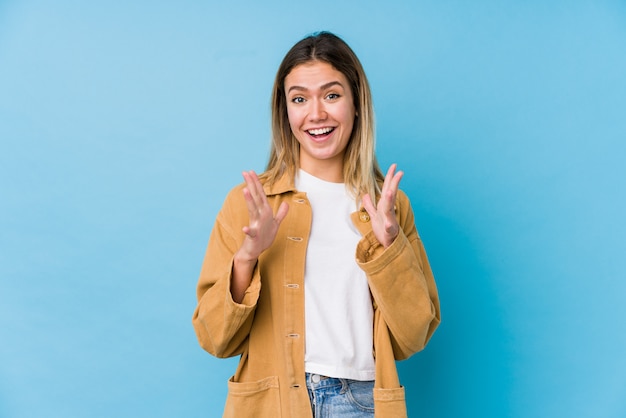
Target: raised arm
[[229, 283], [400, 278]]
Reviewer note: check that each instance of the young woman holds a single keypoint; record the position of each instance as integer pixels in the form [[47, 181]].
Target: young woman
[[314, 272]]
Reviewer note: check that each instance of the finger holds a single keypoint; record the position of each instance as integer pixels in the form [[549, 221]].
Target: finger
[[386, 202], [254, 181], [369, 206], [388, 199], [250, 203], [253, 185], [388, 177], [249, 231], [281, 213], [391, 171], [394, 184], [258, 187], [395, 181]]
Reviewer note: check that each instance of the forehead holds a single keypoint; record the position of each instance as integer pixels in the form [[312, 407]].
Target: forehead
[[314, 74]]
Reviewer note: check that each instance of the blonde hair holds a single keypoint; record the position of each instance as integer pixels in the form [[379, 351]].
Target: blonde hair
[[361, 172]]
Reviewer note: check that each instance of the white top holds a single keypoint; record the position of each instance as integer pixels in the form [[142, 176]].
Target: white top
[[338, 305]]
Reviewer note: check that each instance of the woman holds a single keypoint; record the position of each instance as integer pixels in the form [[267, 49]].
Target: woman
[[314, 273]]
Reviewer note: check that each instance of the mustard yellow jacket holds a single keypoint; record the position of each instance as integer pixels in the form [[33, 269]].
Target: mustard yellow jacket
[[267, 328]]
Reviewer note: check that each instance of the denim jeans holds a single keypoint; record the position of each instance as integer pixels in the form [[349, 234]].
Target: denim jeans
[[340, 398]]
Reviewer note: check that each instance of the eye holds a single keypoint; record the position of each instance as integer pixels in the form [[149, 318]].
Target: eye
[[333, 96], [297, 99]]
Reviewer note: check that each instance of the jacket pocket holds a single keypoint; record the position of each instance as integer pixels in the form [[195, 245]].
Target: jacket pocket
[[260, 399], [389, 403]]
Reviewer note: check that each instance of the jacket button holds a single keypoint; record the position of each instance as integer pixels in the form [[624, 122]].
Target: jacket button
[[364, 216]]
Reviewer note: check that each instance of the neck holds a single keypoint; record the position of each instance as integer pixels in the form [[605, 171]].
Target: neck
[[328, 172]]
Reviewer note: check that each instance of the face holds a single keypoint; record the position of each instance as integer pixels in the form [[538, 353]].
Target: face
[[321, 115]]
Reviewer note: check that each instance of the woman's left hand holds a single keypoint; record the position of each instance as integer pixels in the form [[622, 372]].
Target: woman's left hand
[[383, 215]]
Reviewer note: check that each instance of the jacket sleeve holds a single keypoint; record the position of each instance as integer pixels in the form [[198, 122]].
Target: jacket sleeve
[[221, 325], [402, 284]]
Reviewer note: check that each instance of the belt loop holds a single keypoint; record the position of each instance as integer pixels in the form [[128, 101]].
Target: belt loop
[[344, 385]]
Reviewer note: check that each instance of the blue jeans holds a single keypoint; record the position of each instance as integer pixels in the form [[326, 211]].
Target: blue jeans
[[340, 398]]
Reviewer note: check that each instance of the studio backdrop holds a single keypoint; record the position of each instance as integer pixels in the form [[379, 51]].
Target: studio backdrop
[[124, 124]]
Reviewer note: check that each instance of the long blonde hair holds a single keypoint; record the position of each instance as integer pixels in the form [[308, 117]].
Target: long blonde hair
[[361, 172]]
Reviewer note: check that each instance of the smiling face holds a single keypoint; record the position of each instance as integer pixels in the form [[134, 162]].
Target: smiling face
[[321, 115]]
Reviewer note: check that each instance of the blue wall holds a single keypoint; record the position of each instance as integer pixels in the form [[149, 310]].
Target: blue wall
[[123, 125]]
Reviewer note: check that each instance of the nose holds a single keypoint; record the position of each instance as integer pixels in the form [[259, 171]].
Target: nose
[[317, 110]]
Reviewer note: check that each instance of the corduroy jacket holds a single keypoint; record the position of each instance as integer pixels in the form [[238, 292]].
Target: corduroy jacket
[[267, 328]]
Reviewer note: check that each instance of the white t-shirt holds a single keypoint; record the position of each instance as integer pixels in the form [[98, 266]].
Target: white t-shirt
[[338, 305]]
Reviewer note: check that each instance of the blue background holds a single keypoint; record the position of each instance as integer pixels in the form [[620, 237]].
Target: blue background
[[124, 124]]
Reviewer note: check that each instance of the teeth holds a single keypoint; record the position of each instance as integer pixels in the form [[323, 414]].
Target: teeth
[[320, 131]]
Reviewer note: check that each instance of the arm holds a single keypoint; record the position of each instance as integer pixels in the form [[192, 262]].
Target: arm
[[221, 324], [403, 288], [400, 278], [259, 234], [229, 284]]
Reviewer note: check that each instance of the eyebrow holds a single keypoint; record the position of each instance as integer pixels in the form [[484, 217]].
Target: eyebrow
[[322, 87]]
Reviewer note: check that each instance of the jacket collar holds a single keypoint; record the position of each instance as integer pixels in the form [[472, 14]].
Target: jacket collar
[[286, 183]]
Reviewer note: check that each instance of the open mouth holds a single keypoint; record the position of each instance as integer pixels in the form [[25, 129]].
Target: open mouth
[[316, 133]]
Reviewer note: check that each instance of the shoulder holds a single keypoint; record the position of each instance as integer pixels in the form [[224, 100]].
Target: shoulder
[[235, 202], [403, 203], [235, 196], [404, 211], [402, 197], [234, 209]]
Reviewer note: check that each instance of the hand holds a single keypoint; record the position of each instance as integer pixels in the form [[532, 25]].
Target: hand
[[383, 216], [263, 225]]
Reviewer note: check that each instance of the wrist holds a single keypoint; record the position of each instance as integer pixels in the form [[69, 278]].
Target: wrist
[[242, 258], [389, 241], [243, 269]]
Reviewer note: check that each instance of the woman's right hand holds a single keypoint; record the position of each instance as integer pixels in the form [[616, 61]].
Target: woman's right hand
[[263, 225], [259, 233]]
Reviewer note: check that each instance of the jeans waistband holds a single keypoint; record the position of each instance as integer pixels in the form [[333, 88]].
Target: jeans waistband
[[315, 381]]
